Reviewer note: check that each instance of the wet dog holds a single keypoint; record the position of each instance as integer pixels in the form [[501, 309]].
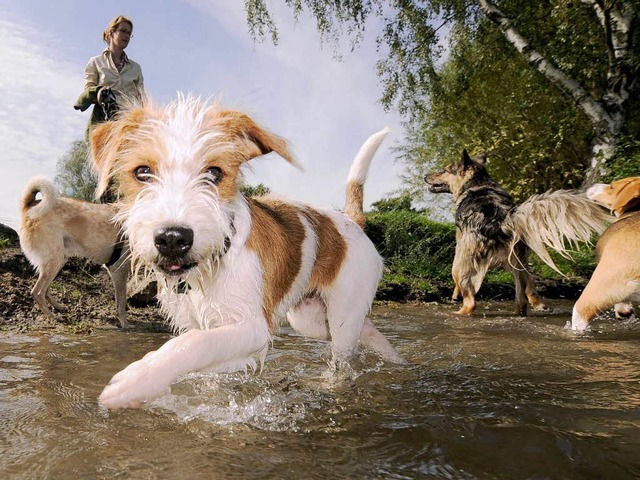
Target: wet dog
[[53, 229], [231, 268], [492, 231], [616, 278]]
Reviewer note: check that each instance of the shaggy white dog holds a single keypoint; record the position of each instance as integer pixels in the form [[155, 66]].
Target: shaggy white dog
[[231, 268]]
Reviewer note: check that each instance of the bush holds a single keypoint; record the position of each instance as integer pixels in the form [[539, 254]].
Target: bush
[[418, 252]]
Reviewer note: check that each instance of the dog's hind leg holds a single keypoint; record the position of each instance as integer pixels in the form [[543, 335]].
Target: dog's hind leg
[[535, 300], [40, 290], [519, 264], [55, 304], [520, 281], [372, 338], [309, 318], [119, 273], [606, 288]]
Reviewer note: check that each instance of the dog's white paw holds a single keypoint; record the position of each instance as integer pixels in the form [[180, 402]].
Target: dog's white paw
[[578, 324], [137, 384]]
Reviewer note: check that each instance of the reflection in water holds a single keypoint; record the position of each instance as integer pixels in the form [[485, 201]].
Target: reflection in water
[[487, 397]]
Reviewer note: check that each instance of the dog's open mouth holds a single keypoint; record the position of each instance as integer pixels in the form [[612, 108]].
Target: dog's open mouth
[[438, 187], [435, 184], [174, 267]]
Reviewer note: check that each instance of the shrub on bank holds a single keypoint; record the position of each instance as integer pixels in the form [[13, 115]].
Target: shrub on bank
[[418, 253]]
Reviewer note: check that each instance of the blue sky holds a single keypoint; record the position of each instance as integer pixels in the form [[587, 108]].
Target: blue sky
[[324, 107]]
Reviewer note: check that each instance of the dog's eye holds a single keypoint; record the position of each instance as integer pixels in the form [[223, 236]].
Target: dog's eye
[[143, 173], [214, 175]]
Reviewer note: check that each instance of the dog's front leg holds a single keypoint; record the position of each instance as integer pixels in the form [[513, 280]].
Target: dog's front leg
[[196, 350]]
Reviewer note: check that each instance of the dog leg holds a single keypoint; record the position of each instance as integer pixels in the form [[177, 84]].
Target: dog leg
[[310, 319], [468, 303], [467, 290], [55, 304], [224, 348], [623, 310], [40, 290], [372, 338], [532, 295], [119, 273], [603, 291], [456, 289], [520, 281]]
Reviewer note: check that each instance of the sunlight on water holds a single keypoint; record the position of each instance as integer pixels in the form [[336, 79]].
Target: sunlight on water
[[492, 396]]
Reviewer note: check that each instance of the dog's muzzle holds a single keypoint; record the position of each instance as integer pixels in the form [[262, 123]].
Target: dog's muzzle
[[173, 244], [434, 186]]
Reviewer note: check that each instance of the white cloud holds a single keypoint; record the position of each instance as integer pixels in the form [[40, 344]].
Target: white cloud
[[37, 120], [326, 108]]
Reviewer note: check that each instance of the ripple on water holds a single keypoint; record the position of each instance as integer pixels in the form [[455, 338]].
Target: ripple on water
[[493, 396]]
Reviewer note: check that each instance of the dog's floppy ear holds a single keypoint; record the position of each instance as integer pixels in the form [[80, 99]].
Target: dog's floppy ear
[[627, 198], [256, 140], [106, 141]]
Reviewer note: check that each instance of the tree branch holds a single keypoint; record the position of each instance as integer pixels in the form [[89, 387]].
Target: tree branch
[[592, 108]]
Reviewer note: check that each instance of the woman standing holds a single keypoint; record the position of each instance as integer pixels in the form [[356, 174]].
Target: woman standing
[[113, 80]]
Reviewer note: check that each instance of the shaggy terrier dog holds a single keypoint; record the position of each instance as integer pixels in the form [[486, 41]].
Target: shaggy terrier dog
[[493, 231], [230, 268]]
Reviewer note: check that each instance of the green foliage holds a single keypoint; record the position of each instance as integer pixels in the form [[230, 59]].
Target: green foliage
[[535, 139], [257, 191], [459, 84], [626, 162], [393, 204], [74, 176], [417, 251]]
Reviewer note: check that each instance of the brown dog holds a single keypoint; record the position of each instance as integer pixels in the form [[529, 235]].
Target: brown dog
[[52, 229], [617, 275]]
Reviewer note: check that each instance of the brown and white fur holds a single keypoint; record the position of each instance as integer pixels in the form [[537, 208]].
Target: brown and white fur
[[493, 231], [616, 278], [53, 229], [231, 268]]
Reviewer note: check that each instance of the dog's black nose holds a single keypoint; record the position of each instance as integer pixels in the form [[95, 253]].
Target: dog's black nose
[[173, 241]]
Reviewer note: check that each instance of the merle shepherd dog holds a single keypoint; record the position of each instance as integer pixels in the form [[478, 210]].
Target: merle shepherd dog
[[493, 231]]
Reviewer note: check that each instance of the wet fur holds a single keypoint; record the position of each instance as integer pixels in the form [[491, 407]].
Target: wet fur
[[493, 231]]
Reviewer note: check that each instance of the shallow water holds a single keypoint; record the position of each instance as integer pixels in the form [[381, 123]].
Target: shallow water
[[488, 397]]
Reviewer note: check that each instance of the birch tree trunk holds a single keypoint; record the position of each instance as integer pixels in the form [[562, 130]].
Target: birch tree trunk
[[608, 114]]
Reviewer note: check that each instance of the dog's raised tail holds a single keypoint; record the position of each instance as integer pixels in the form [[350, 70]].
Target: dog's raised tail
[[358, 176], [558, 220], [35, 207]]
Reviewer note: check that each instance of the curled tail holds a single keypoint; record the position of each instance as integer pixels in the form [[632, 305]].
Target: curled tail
[[557, 220], [35, 208], [358, 175]]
